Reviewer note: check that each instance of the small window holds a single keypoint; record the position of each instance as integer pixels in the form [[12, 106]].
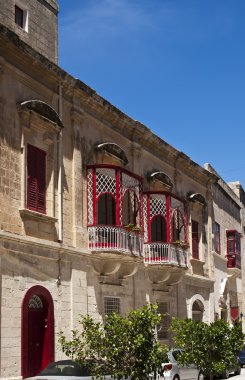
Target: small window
[[19, 16], [112, 305], [217, 237], [36, 179]]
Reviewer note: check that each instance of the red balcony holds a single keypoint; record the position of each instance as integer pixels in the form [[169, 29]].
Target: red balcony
[[165, 254], [115, 239], [234, 261]]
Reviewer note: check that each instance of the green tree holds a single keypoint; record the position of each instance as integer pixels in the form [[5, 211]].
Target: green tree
[[213, 348], [124, 346]]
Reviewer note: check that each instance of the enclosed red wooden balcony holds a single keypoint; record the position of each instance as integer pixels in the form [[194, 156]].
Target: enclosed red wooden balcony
[[165, 229], [233, 249], [165, 253], [117, 239], [114, 210]]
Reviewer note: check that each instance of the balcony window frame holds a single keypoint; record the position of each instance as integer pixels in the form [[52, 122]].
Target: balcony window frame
[[109, 213], [92, 197], [163, 229], [236, 247], [168, 215], [233, 256]]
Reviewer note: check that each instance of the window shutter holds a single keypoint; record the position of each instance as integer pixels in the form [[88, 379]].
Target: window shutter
[[36, 184]]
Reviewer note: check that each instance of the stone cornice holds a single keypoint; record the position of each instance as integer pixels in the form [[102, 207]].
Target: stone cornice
[[40, 243], [101, 108]]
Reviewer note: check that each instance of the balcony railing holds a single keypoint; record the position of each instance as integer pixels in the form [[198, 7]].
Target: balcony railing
[[165, 253], [117, 239], [234, 261]]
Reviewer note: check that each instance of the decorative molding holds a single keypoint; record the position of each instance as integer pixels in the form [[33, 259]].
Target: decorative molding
[[25, 214], [114, 150]]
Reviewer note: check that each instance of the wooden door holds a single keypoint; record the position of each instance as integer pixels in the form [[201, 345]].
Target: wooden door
[[36, 334]]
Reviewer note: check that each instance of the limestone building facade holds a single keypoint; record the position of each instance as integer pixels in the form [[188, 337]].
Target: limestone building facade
[[97, 213]]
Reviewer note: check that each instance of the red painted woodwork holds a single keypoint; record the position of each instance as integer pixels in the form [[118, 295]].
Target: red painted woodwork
[[234, 313], [115, 190], [37, 332], [195, 240], [233, 249], [36, 179], [165, 221]]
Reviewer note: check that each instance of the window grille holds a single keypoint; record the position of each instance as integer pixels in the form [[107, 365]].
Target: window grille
[[111, 305], [35, 302], [157, 205]]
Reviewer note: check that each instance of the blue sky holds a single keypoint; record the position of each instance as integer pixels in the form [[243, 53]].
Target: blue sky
[[177, 66]]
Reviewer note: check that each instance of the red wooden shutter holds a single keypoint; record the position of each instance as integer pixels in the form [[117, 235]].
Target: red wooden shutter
[[195, 240], [36, 183]]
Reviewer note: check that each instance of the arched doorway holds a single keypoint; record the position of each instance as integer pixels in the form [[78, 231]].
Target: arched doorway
[[37, 331], [197, 311]]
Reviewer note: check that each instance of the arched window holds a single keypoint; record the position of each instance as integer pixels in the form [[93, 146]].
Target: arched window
[[158, 229], [130, 208], [178, 232], [106, 210], [197, 311]]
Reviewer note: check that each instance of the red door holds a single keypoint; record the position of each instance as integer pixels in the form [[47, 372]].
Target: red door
[[37, 318], [37, 331]]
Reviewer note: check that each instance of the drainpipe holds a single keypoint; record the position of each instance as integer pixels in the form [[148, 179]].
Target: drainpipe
[[60, 203]]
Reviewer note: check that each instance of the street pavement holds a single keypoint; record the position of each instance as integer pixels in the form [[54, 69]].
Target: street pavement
[[238, 377]]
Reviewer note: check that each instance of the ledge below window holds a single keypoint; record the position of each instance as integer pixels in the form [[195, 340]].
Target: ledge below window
[[39, 225], [29, 214], [197, 266]]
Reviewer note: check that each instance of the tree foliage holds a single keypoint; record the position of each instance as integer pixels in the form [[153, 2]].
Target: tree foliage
[[125, 346], [213, 348]]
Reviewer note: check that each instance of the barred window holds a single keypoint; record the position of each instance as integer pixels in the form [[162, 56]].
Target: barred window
[[162, 328], [111, 305]]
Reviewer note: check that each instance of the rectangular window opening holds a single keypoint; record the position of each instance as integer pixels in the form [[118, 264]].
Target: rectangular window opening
[[217, 237], [19, 16], [195, 240], [111, 305]]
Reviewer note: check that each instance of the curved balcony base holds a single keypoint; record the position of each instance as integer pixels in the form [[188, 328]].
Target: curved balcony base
[[168, 276], [120, 266]]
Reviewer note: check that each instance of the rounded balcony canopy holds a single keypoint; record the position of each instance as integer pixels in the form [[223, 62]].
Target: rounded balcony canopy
[[197, 198], [161, 177], [114, 150], [42, 109]]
